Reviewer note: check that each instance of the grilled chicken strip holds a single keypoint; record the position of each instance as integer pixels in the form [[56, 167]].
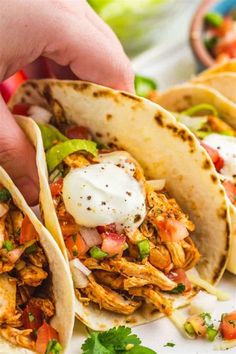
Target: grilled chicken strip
[[45, 305], [117, 281], [191, 253], [162, 208], [109, 299], [155, 297], [144, 271], [7, 297], [18, 337], [31, 275], [160, 258], [218, 125], [38, 258], [177, 254], [130, 269]]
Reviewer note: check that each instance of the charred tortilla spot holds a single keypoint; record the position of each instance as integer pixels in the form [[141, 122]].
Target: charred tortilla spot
[[172, 127], [154, 311], [99, 135], [159, 119], [47, 93], [206, 164], [33, 84], [103, 93], [134, 98], [222, 213], [131, 320], [188, 99], [109, 116], [214, 178], [77, 86]]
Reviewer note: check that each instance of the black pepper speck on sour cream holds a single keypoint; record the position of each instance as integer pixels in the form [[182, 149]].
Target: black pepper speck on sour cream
[[103, 193]]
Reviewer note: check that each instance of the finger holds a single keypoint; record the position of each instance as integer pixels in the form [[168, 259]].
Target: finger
[[17, 156], [89, 47]]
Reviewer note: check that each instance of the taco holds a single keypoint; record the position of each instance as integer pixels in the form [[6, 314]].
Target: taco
[[37, 308], [119, 172], [212, 118]]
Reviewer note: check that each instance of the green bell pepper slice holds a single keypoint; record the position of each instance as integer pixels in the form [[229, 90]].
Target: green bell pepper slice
[[50, 135], [56, 154]]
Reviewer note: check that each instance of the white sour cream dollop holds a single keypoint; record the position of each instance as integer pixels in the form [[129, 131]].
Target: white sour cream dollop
[[226, 145], [102, 194]]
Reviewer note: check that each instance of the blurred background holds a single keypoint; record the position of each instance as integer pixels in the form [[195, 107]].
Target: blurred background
[[141, 24]]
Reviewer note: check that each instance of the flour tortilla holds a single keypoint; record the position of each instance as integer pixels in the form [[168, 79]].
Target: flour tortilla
[[63, 320], [226, 66], [185, 96], [223, 82], [165, 149]]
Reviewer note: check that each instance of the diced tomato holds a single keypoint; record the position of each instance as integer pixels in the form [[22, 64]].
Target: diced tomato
[[21, 109], [76, 245], [113, 243], [28, 231], [56, 187], [227, 48], [214, 155], [9, 86], [78, 132], [107, 228], [230, 189], [171, 230], [44, 335], [228, 326], [32, 317], [179, 276], [224, 28], [68, 228]]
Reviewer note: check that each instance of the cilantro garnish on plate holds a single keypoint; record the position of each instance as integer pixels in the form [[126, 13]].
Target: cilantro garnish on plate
[[118, 340]]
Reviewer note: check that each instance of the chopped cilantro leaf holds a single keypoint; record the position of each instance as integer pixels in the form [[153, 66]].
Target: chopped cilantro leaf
[[31, 249], [116, 340], [4, 195], [54, 347], [169, 344], [178, 290], [8, 245]]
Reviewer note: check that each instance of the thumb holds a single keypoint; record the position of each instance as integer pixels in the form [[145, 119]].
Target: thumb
[[17, 156]]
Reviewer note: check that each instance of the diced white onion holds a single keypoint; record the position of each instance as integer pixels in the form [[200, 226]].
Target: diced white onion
[[202, 302], [3, 209], [90, 236], [39, 114], [80, 280], [77, 264], [157, 184]]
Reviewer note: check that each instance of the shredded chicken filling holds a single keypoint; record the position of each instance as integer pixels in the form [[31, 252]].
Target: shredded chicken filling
[[23, 276], [124, 282]]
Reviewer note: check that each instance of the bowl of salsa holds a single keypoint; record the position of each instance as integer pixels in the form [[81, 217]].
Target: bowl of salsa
[[213, 32]]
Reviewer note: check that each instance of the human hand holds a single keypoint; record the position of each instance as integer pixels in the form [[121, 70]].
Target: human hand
[[68, 33]]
